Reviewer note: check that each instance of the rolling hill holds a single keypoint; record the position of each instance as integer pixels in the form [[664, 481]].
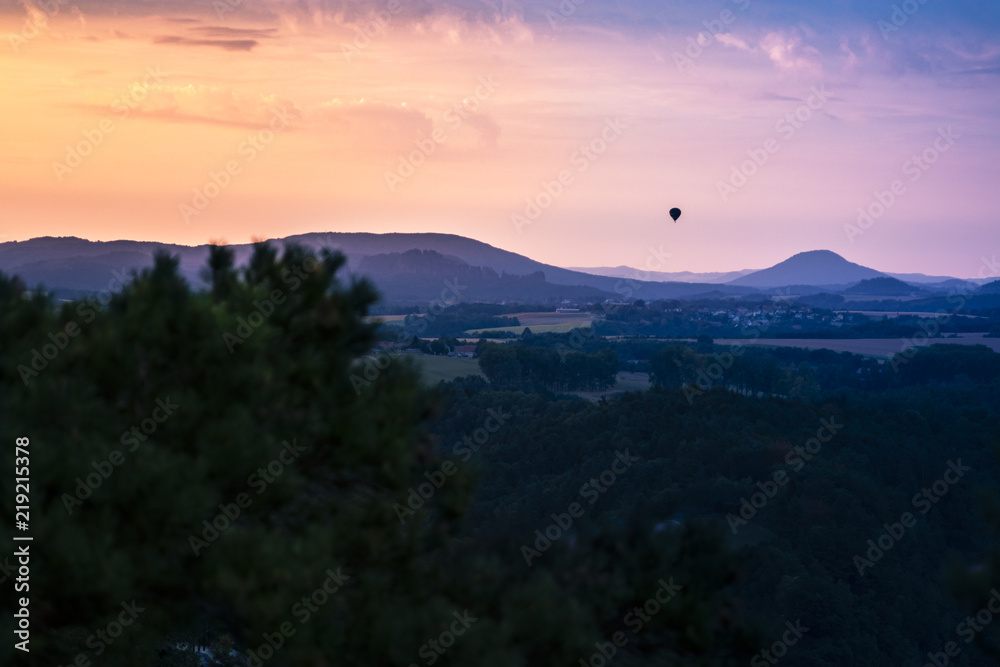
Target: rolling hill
[[816, 267], [411, 268], [71, 267]]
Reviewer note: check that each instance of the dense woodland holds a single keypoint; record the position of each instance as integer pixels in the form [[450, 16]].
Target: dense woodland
[[707, 521], [525, 366], [702, 461], [807, 317]]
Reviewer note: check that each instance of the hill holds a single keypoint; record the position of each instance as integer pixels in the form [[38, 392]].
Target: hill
[[420, 276], [71, 266], [816, 267], [990, 288], [883, 287]]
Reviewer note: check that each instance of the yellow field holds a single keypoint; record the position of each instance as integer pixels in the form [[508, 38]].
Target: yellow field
[[565, 327], [543, 323], [538, 322]]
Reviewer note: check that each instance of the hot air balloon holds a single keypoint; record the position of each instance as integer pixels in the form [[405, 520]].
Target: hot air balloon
[[675, 213]]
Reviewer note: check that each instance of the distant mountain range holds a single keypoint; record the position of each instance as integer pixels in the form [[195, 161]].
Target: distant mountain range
[[812, 269], [678, 276], [70, 266], [412, 268]]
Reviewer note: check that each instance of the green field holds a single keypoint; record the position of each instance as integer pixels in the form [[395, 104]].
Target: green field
[[433, 368], [626, 381], [542, 323], [386, 319], [631, 381], [537, 322], [563, 327]]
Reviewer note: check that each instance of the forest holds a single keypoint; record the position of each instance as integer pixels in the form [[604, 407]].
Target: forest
[[808, 507]]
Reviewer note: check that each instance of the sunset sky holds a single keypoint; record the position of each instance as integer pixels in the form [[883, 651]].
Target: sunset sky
[[121, 119]]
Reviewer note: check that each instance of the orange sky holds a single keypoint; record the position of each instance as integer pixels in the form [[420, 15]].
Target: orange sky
[[162, 98]]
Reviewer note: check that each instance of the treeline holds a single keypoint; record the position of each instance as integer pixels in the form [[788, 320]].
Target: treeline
[[450, 324], [676, 319], [524, 366], [808, 373], [466, 308], [804, 489]]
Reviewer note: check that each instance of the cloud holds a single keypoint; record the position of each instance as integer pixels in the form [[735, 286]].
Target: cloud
[[89, 73], [995, 69], [36, 15], [488, 128], [789, 53], [731, 40], [226, 32], [391, 125], [227, 44], [198, 104]]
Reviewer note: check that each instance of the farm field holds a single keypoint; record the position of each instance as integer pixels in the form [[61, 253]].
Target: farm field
[[545, 323], [627, 381], [538, 322], [565, 327], [433, 368], [892, 314], [873, 347], [387, 319]]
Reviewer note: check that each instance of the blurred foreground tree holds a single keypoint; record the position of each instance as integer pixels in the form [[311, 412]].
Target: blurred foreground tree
[[231, 462]]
